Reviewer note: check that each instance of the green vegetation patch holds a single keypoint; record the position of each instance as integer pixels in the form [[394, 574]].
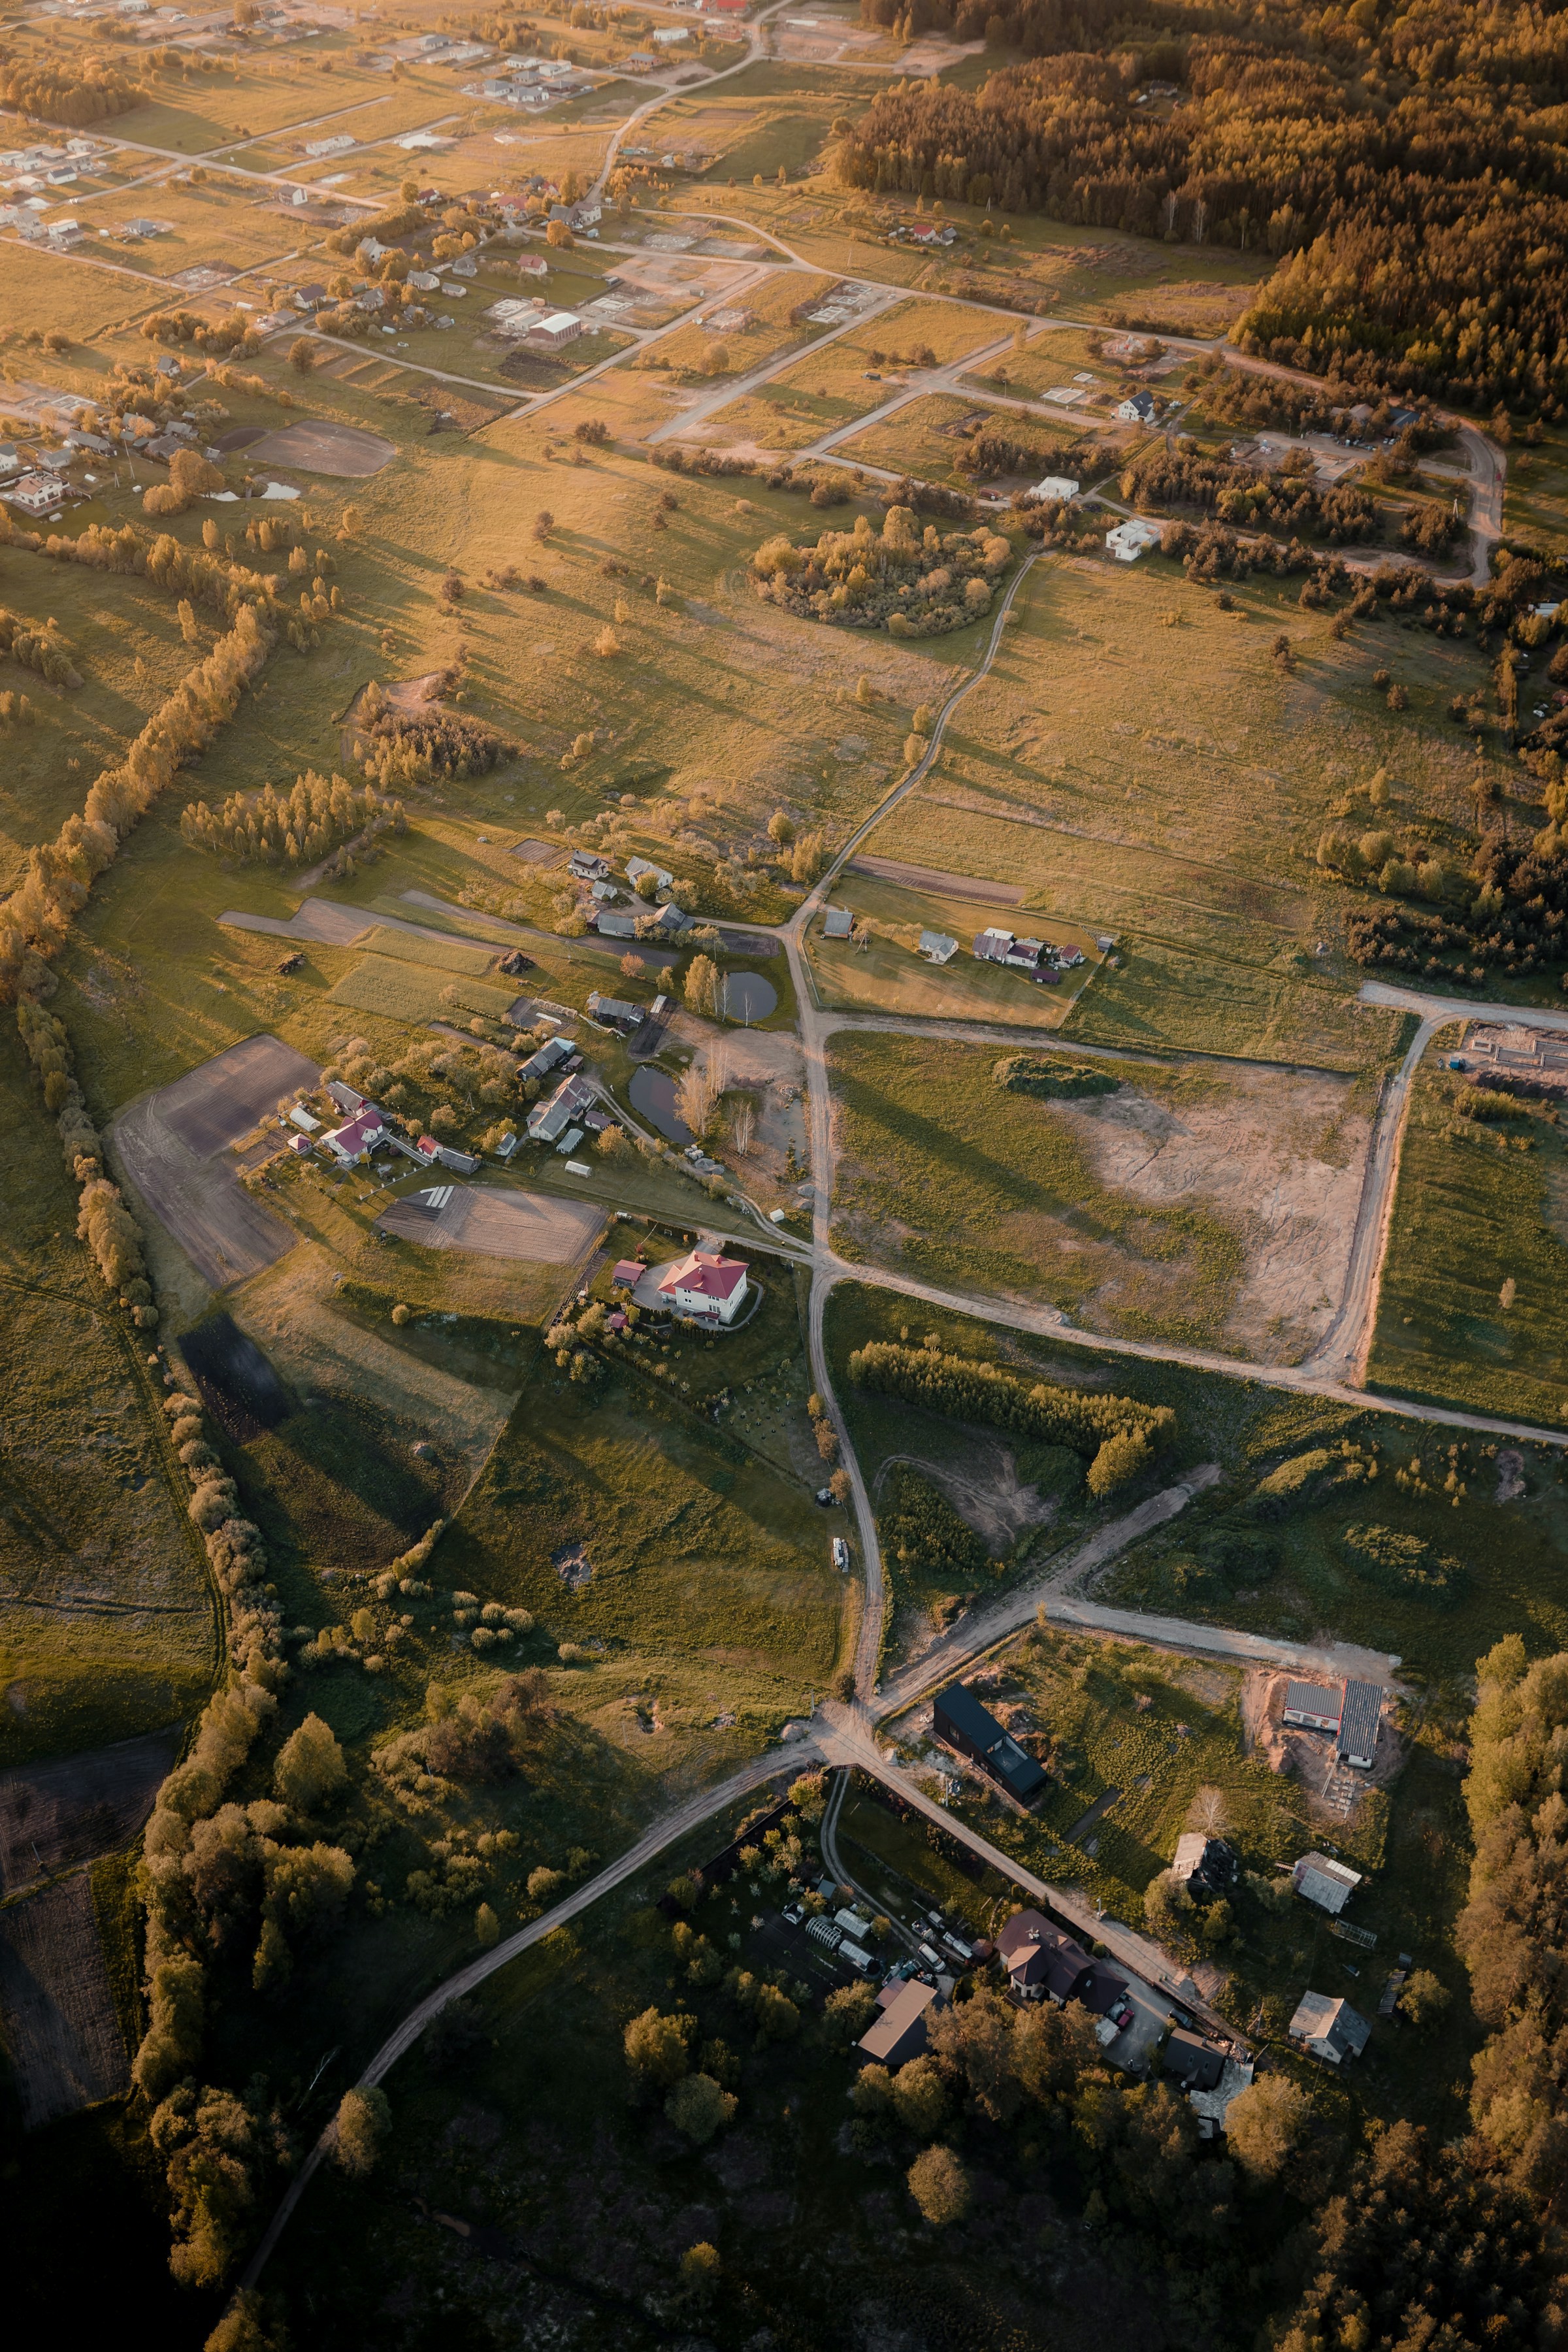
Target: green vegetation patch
[[1037, 1074], [1473, 1306], [447, 955], [946, 1174], [415, 993]]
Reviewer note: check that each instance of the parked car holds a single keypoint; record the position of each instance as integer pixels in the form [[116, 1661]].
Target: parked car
[[841, 1555], [794, 1915], [827, 1498]]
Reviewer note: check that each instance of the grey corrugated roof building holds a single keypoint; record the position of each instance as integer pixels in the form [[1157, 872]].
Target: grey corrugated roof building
[[1362, 1714]]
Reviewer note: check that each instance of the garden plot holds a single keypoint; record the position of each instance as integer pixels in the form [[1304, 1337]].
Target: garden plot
[[51, 1815], [169, 1142], [494, 1221], [61, 2033], [344, 452]]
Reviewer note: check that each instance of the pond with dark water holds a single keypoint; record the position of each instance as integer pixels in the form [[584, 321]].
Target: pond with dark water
[[652, 1095], [747, 996]]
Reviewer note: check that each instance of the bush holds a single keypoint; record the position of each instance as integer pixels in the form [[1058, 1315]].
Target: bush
[[1403, 1566], [364, 2118], [939, 2186], [697, 2107], [919, 1528]]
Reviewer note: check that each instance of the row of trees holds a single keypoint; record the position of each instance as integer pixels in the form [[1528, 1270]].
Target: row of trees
[[293, 827], [200, 573], [1513, 1930], [1123, 1434], [35, 917], [44, 651], [1422, 239]]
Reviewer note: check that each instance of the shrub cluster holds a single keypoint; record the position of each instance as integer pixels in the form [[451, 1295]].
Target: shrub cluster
[[62, 90], [235, 334], [1121, 1434], [1037, 1074], [1249, 496], [436, 743], [1403, 1566], [917, 1526], [912, 583]]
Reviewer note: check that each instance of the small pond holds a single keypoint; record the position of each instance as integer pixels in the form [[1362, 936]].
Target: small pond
[[652, 1095], [746, 996]]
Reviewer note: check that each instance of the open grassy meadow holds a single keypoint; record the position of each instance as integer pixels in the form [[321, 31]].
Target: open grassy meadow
[[1100, 767], [108, 1626], [1472, 1308], [945, 1174]]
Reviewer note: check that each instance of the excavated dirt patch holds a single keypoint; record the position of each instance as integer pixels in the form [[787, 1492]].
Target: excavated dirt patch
[[1280, 1156]]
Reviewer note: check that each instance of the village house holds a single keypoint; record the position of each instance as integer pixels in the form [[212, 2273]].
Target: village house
[[705, 1285], [1329, 2028], [1042, 1961], [898, 2032], [962, 1723], [1128, 542], [1205, 1866], [549, 1121], [1318, 1879]]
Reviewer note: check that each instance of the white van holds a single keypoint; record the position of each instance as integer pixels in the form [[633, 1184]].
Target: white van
[[841, 1555]]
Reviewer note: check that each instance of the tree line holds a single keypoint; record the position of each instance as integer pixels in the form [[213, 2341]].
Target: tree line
[[1514, 1929], [1421, 235], [1123, 1434], [1249, 496], [35, 917]]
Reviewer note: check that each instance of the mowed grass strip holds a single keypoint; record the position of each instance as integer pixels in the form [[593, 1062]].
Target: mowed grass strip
[[415, 994], [947, 1174], [1474, 1304], [447, 955]]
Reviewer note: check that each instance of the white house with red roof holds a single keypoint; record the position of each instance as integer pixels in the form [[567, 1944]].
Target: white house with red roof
[[358, 1136], [705, 1285]]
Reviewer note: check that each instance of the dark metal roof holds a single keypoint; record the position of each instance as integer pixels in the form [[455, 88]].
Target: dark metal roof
[[966, 1715], [1360, 1719]]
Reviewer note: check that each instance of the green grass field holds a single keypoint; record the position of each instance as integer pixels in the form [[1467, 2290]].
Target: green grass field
[[106, 1622], [415, 994], [1478, 1219], [888, 974], [996, 1190]]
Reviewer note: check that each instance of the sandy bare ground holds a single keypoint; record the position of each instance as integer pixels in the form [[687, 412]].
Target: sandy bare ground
[[1277, 1156], [315, 1350], [768, 1065], [318, 919], [345, 452], [61, 2032], [495, 1222], [171, 1146], [51, 1815]]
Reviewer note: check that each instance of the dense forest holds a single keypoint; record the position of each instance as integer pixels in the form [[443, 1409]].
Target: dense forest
[[1409, 178]]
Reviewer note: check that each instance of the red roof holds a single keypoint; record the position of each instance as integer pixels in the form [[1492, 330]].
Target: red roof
[[627, 1274], [705, 1273]]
